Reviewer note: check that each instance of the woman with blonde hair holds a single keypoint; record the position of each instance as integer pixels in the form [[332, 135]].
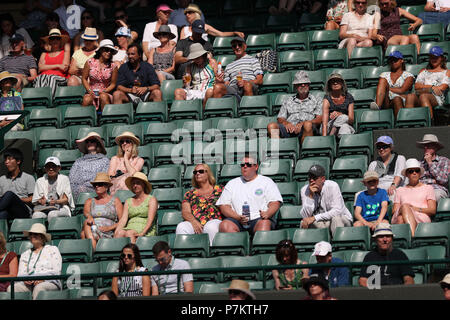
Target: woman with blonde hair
[[9, 264], [199, 204]]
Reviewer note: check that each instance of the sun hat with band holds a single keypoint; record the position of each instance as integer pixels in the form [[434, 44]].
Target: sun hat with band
[[90, 34], [81, 143], [102, 177], [196, 50], [140, 176], [428, 139], [56, 33], [129, 135], [38, 228], [241, 285], [383, 229], [412, 164], [106, 43], [446, 281], [6, 75], [164, 30]]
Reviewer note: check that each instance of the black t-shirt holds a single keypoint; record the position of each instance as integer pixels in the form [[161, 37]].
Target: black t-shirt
[[390, 274], [185, 46]]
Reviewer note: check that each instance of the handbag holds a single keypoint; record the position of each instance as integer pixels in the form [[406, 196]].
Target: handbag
[[268, 60]]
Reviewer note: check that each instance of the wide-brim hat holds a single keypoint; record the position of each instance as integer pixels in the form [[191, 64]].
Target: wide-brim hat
[[102, 177], [56, 33], [446, 280], [141, 176], [315, 279], [164, 29], [38, 228], [90, 34], [412, 163], [106, 43], [81, 143], [196, 50], [130, 135], [429, 138], [242, 286], [6, 75]]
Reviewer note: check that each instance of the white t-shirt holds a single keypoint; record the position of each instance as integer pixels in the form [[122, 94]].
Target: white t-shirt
[[258, 193], [152, 41], [440, 3], [359, 26]]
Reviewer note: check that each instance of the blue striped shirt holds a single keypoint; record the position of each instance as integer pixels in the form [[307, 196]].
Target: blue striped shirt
[[247, 65]]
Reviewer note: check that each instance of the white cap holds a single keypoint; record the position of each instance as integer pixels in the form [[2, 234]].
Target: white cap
[[322, 248], [53, 160]]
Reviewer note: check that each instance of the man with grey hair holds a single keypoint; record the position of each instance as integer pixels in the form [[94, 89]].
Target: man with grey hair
[[300, 115]]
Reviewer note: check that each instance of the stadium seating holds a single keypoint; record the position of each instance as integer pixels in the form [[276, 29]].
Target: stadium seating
[[109, 249], [191, 245], [292, 41], [230, 244]]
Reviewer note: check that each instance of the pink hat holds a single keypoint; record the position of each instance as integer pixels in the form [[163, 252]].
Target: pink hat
[[163, 7]]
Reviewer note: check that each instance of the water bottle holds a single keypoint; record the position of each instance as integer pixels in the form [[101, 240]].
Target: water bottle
[[219, 68], [246, 212], [95, 231]]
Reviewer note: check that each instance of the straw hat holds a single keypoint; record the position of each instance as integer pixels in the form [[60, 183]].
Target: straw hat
[[196, 50], [383, 229], [38, 228], [90, 34], [6, 75], [102, 177], [429, 138], [141, 176], [81, 143], [412, 163], [242, 286], [164, 29], [56, 33], [130, 135]]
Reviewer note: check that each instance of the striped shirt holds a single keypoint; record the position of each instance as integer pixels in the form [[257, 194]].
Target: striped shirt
[[202, 78], [18, 64], [131, 286], [247, 65], [437, 173]]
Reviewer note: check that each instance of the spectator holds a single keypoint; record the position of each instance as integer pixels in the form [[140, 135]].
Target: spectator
[[388, 165], [107, 295], [150, 38], [194, 13], [127, 161], [249, 202], [8, 29], [199, 77], [285, 7], [54, 64], [391, 274], [21, 65], [67, 19], [93, 161], [133, 286], [445, 285], [139, 213], [338, 108], [311, 7], [52, 196], [121, 20], [335, 12], [51, 22], [414, 203], [41, 260], [372, 204], [137, 80], [162, 57], [81, 55], [245, 68], [183, 48], [102, 212], [335, 276], [123, 35], [167, 283], [288, 279], [87, 21], [323, 205], [36, 11], [390, 92], [100, 6], [199, 208], [436, 168], [317, 288], [436, 11], [432, 83], [10, 99], [16, 187], [8, 263], [300, 115], [100, 76], [356, 28], [240, 290], [178, 17]]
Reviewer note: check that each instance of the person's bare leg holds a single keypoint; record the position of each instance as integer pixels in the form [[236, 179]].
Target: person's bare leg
[[219, 90], [411, 100], [408, 217], [307, 130], [262, 225], [228, 226], [273, 129], [119, 97], [209, 93], [179, 94], [397, 104], [351, 44], [428, 100], [414, 38], [156, 95]]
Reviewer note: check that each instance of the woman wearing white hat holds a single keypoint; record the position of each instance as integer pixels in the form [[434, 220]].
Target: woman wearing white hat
[[414, 203], [126, 162], [41, 260], [100, 76], [81, 55]]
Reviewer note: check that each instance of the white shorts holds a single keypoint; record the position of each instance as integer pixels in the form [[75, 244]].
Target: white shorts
[[195, 94]]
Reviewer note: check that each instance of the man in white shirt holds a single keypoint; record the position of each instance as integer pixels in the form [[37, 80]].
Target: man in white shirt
[[257, 192], [322, 203]]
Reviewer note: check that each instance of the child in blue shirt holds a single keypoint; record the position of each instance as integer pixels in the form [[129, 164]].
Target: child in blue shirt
[[372, 204]]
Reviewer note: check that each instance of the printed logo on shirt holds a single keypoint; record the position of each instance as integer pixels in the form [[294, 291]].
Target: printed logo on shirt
[[258, 192], [372, 209]]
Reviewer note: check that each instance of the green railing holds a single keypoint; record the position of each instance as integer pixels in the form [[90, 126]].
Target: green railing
[[5, 129]]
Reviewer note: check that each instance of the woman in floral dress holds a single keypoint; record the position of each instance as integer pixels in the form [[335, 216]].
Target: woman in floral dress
[[199, 204]]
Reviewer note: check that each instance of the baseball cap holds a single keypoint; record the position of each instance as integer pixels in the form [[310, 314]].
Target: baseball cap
[[385, 140], [198, 26], [436, 51], [237, 39], [383, 229], [369, 175], [163, 7], [53, 160], [316, 171], [396, 54], [16, 37], [322, 248]]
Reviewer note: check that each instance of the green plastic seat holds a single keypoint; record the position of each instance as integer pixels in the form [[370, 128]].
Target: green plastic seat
[[350, 186], [357, 256], [311, 21], [165, 177], [114, 113], [110, 266], [163, 154], [302, 167], [220, 107], [55, 138], [151, 111], [255, 105], [447, 33], [371, 75], [186, 109], [206, 288], [259, 42], [330, 58], [28, 135], [83, 268], [168, 89], [375, 119], [289, 216], [295, 60], [123, 195], [259, 123], [145, 245], [420, 270], [78, 115], [305, 239], [414, 9], [235, 7], [431, 32], [225, 60], [286, 148], [292, 41], [79, 202], [409, 52], [17, 296], [229, 172], [352, 77], [235, 149], [276, 82], [277, 101], [443, 210], [115, 130], [267, 241], [363, 97], [205, 263], [53, 295], [319, 146], [37, 97], [191, 245], [290, 193], [230, 244], [247, 26], [221, 46], [239, 261], [366, 56], [78, 250], [159, 132], [402, 236], [65, 227], [69, 95], [20, 225], [44, 118], [413, 118], [433, 233], [317, 78], [346, 238], [208, 152], [278, 170], [109, 249], [169, 221], [353, 166], [169, 198], [353, 144], [323, 39], [425, 50]]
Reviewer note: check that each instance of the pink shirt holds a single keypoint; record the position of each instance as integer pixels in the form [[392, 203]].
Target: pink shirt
[[417, 197]]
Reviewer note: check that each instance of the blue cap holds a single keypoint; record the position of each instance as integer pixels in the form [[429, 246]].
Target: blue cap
[[436, 51], [396, 54], [16, 37], [198, 26], [385, 140]]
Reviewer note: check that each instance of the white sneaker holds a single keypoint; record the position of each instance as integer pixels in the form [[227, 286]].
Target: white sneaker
[[374, 106]]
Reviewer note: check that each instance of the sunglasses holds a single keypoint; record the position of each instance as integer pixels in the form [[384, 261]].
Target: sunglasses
[[247, 164], [336, 81], [201, 171], [189, 12], [361, 2], [237, 45], [445, 286], [128, 255], [126, 141], [54, 38], [302, 84], [91, 141], [120, 17], [383, 146], [86, 18], [411, 171], [234, 292], [107, 50], [100, 184]]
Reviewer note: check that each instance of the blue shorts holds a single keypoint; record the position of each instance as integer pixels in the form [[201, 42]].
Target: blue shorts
[[251, 224], [285, 134]]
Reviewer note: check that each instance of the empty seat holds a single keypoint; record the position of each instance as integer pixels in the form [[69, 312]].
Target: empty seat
[[413, 118], [330, 58], [434, 233], [302, 167], [402, 236], [259, 42], [168, 198], [221, 45], [69, 95], [363, 97], [267, 241], [206, 263], [109, 249], [169, 177], [55, 138], [238, 262], [79, 250], [346, 238], [292, 41], [220, 107], [420, 270], [191, 245], [114, 113], [350, 186], [65, 227], [159, 132], [20, 225], [311, 21], [281, 23], [290, 192], [255, 105], [145, 245], [357, 256], [365, 56], [151, 111], [349, 167], [431, 32], [289, 217], [351, 144], [286, 148], [169, 221], [81, 269], [44, 118], [186, 109], [375, 119], [237, 243], [305, 239], [371, 75], [276, 82], [277, 170], [168, 89], [294, 60], [228, 172], [319, 146], [37, 97], [77, 115], [443, 210], [322, 39]]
